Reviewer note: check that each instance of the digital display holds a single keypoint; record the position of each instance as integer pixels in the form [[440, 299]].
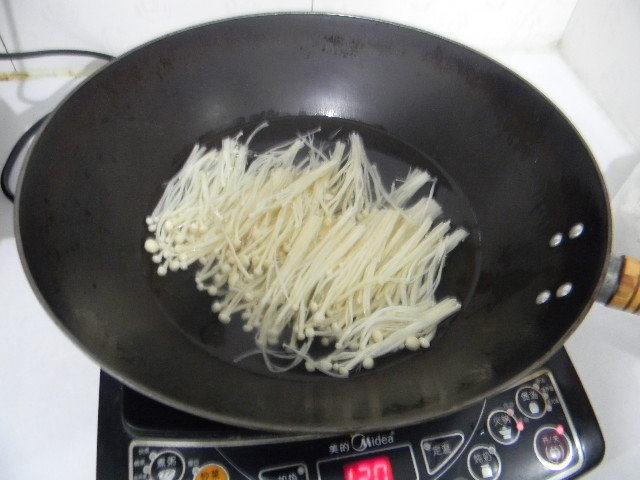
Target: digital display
[[377, 468]]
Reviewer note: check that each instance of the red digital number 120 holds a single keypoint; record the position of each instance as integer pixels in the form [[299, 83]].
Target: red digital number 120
[[378, 468]]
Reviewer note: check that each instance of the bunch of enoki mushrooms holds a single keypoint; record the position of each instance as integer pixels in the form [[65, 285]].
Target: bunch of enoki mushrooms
[[303, 243]]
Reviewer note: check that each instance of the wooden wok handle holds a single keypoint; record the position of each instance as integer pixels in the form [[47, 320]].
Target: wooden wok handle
[[627, 294]]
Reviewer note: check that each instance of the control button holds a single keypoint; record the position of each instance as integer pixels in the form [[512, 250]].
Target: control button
[[297, 471], [167, 465], [438, 450], [484, 462], [531, 402], [503, 427], [553, 448], [212, 471]]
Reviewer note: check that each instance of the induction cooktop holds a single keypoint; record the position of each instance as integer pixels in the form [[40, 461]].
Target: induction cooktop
[[544, 428]]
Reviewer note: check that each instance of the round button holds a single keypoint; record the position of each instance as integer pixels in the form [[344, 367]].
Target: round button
[[552, 447], [531, 402], [212, 471], [503, 427], [484, 463], [167, 465]]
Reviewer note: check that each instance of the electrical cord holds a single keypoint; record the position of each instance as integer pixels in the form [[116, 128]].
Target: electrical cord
[[48, 53], [26, 136]]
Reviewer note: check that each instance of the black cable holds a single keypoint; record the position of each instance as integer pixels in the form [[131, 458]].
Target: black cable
[[46, 53], [24, 138]]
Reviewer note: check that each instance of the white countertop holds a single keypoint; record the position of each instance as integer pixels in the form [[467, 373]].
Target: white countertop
[[49, 389]]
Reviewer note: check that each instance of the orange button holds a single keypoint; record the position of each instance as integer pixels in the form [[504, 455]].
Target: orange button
[[212, 471]]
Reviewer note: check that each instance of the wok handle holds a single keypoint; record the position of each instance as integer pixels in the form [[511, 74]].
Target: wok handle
[[621, 288], [24, 139], [14, 154]]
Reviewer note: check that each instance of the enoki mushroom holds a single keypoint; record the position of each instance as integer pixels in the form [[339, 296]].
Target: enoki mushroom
[[303, 243]]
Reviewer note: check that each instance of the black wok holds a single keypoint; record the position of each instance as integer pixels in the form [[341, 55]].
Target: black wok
[[511, 168]]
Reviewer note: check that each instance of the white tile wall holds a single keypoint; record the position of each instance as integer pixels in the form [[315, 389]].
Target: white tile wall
[[602, 44]]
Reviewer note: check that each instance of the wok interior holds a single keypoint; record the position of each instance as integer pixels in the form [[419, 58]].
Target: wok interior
[[511, 170]]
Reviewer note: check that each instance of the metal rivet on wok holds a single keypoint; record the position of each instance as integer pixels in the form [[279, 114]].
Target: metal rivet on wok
[[555, 240], [564, 289], [576, 230], [543, 297]]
